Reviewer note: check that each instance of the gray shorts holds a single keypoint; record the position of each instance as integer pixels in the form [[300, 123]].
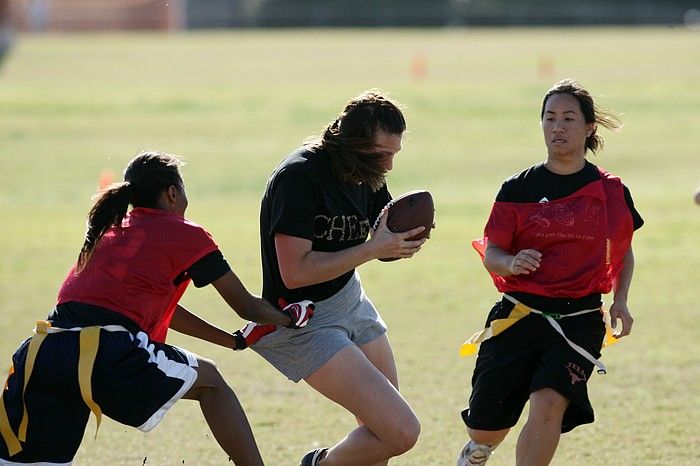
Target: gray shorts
[[346, 318]]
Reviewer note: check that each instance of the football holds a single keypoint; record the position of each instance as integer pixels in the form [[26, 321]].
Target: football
[[408, 211], [411, 210]]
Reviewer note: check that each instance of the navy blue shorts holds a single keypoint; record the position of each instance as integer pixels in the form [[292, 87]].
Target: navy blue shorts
[[134, 381], [530, 356]]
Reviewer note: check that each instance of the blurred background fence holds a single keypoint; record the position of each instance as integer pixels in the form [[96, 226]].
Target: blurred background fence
[[79, 15]]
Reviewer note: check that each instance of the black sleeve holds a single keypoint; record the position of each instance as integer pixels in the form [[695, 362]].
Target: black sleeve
[[504, 193], [512, 189], [208, 269], [637, 219]]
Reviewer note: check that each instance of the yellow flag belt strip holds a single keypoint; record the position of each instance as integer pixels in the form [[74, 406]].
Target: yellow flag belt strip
[[89, 344], [519, 311]]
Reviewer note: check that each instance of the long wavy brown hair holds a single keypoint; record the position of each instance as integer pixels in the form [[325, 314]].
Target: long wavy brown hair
[[350, 138]]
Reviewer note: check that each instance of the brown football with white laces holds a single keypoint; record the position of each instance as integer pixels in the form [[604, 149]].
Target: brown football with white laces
[[411, 210], [408, 211]]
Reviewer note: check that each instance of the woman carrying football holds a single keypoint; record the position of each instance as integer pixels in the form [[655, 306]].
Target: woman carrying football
[[103, 347], [558, 237], [318, 209]]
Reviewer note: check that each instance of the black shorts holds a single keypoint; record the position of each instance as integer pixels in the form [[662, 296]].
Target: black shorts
[[530, 356], [134, 381]]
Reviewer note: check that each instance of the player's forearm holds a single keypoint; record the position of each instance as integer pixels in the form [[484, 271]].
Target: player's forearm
[[185, 322], [497, 261], [317, 266], [245, 304], [259, 310], [623, 281]]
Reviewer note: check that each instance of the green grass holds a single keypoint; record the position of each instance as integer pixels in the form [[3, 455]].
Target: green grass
[[234, 103]]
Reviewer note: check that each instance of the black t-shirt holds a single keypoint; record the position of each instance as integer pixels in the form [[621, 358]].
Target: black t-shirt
[[538, 184], [304, 199]]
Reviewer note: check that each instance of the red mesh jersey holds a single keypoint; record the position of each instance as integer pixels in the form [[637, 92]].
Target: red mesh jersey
[[134, 266], [582, 237]]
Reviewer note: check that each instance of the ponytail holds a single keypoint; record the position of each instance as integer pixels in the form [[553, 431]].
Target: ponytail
[[109, 209], [145, 178]]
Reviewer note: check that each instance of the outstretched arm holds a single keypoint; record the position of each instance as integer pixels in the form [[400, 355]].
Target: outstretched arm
[[301, 266], [246, 305], [184, 321]]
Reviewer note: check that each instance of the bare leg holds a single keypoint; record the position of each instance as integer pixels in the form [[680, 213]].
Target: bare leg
[[390, 426], [540, 436], [224, 415], [488, 437], [381, 356]]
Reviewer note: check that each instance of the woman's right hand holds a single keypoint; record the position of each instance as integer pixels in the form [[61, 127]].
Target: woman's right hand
[[502, 263], [388, 245], [525, 261]]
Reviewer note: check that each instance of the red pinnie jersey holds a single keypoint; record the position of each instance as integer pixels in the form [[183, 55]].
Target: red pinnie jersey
[[583, 239], [138, 268]]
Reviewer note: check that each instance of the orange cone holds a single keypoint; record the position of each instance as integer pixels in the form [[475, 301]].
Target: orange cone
[[106, 177]]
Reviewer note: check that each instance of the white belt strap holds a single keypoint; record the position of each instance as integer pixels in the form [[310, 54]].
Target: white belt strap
[[108, 328], [551, 319]]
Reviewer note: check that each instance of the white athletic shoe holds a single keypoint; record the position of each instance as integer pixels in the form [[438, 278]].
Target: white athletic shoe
[[474, 454], [313, 457]]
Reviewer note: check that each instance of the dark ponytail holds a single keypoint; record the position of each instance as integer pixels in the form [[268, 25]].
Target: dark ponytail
[[109, 209], [146, 176]]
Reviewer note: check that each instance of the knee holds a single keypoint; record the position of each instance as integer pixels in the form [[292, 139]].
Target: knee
[[208, 377], [488, 437], [548, 403], [208, 372], [404, 435]]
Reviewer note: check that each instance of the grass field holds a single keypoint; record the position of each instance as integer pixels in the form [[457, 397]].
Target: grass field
[[234, 103]]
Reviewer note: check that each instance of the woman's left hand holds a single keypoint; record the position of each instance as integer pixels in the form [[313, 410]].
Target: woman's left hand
[[619, 310]]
